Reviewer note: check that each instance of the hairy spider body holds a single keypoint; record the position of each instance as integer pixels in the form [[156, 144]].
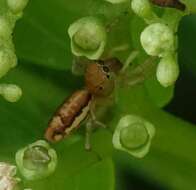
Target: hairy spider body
[[98, 83]]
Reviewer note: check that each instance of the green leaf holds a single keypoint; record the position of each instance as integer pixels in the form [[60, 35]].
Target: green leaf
[[30, 121], [158, 94], [41, 36], [43, 48]]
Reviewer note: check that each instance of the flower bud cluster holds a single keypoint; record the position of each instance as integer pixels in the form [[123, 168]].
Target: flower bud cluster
[[158, 39], [88, 37], [12, 11]]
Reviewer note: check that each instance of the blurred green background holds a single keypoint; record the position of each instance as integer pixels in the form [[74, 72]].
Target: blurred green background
[[43, 48]]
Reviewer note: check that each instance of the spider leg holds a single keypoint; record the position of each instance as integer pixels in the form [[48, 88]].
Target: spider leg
[[91, 124]]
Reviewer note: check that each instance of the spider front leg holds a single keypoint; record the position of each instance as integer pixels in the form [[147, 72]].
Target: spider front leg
[[88, 136], [132, 56], [91, 124], [93, 118]]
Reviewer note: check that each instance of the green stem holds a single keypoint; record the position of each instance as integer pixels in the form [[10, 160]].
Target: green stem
[[172, 18], [129, 60], [140, 73]]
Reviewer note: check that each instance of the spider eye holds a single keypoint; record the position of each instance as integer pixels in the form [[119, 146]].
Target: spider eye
[[106, 69]]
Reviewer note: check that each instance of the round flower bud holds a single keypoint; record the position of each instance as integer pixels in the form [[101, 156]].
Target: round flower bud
[[17, 6], [10, 92], [117, 1], [88, 37], [37, 160], [157, 39], [143, 9], [129, 136], [133, 134], [167, 71], [7, 61]]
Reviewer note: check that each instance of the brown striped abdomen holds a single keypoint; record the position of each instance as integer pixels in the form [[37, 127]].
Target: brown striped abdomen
[[170, 3], [70, 114]]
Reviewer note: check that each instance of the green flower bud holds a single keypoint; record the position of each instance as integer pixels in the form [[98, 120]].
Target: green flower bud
[[158, 39], [37, 160], [143, 9], [11, 11], [133, 134], [7, 61], [167, 71], [88, 37], [5, 29], [117, 1], [17, 6], [129, 136], [10, 92]]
